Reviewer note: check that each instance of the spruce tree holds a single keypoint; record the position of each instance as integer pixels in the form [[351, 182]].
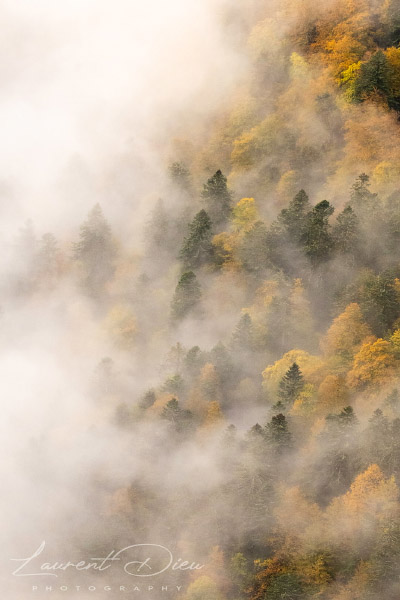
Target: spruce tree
[[218, 199], [361, 196], [346, 235], [254, 250], [293, 219], [392, 401], [277, 433], [242, 338], [222, 360], [317, 238], [95, 252], [379, 301], [180, 176], [339, 462], [147, 399], [160, 235], [373, 76], [187, 296], [197, 248], [180, 419], [291, 385]]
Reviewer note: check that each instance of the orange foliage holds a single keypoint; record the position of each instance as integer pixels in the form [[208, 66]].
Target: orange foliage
[[374, 364]]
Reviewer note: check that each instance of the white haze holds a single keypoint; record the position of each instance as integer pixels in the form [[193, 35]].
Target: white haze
[[90, 93]]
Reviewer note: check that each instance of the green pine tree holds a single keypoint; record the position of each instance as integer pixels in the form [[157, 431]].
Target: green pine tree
[[197, 248], [243, 336], [187, 296], [346, 234], [277, 434], [317, 238], [180, 176], [218, 199], [293, 220], [254, 249], [373, 76], [291, 385], [95, 252], [361, 196]]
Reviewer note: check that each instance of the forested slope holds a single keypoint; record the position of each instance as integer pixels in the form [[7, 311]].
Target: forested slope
[[253, 341]]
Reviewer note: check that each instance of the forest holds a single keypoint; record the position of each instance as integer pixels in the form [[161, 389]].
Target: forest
[[250, 381]]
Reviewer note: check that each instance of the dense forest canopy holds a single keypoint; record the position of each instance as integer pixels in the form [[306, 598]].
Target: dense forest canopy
[[250, 379]]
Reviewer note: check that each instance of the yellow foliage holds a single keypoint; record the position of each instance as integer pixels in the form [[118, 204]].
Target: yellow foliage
[[208, 383], [371, 494], [343, 52], [386, 173], [374, 364], [350, 73], [244, 153], [225, 248], [245, 214], [266, 293], [369, 138], [306, 402], [257, 143], [393, 56], [214, 417], [395, 341], [160, 403], [371, 488], [311, 367], [299, 68], [346, 334], [333, 394], [203, 588], [313, 571], [353, 518]]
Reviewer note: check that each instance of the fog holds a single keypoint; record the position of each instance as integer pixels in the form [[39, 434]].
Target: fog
[[144, 374], [90, 94]]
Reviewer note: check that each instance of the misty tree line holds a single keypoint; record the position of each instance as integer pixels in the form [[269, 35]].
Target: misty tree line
[[320, 331]]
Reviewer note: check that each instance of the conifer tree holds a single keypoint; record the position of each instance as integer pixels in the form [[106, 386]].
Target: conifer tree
[[182, 420], [147, 399], [346, 235], [180, 175], [95, 252], [197, 248], [187, 296], [293, 219], [254, 250], [317, 238], [361, 196], [291, 385], [218, 199], [277, 433], [160, 233], [374, 76], [242, 338]]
